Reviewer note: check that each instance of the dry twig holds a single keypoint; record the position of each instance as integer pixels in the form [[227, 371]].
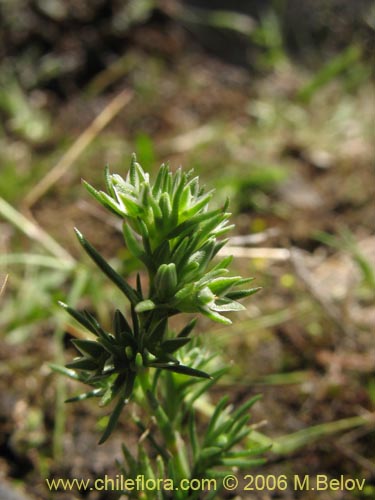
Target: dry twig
[[329, 308], [68, 159], [256, 253], [3, 282], [34, 231]]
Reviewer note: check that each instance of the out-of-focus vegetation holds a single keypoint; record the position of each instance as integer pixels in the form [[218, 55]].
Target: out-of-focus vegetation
[[273, 103]]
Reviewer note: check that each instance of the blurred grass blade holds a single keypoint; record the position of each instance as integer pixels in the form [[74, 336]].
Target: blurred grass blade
[[3, 282], [122, 401], [29, 259], [332, 69], [34, 232], [25, 119], [107, 269], [290, 443], [64, 371], [225, 19]]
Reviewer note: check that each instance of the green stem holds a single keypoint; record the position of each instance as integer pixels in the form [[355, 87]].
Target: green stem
[[60, 411], [171, 436], [154, 405]]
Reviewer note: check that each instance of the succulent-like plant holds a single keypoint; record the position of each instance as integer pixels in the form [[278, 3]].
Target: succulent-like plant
[[169, 227]]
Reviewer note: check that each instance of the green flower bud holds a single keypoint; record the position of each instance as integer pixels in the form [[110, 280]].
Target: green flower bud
[[205, 296], [139, 360], [165, 281]]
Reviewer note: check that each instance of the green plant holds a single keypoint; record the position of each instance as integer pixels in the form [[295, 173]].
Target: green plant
[[169, 227], [268, 36], [345, 241], [345, 62]]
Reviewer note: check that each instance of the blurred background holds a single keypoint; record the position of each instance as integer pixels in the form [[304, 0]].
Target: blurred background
[[272, 103]]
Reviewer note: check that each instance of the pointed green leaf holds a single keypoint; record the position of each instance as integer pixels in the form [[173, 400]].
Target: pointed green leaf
[[216, 474], [133, 174], [223, 305], [242, 464], [249, 452], [158, 332], [185, 227], [188, 328], [107, 269], [194, 186], [161, 254], [209, 453], [180, 254], [145, 305], [132, 207], [114, 206], [94, 192], [135, 322], [238, 436], [139, 286], [172, 345], [165, 207], [224, 263], [94, 323], [79, 317], [104, 199], [82, 364], [120, 324], [187, 370], [246, 406], [215, 316], [123, 399], [132, 463], [185, 200], [159, 181], [121, 185], [193, 436], [64, 371], [144, 462], [163, 361], [108, 182], [115, 415], [150, 201], [131, 242], [190, 270], [210, 275], [238, 426], [96, 326], [82, 397], [215, 417], [240, 294], [221, 285], [88, 347], [204, 387], [216, 221], [184, 293], [180, 181], [201, 202], [106, 340]]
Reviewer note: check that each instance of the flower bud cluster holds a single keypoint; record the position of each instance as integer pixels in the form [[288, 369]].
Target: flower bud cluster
[[169, 227]]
